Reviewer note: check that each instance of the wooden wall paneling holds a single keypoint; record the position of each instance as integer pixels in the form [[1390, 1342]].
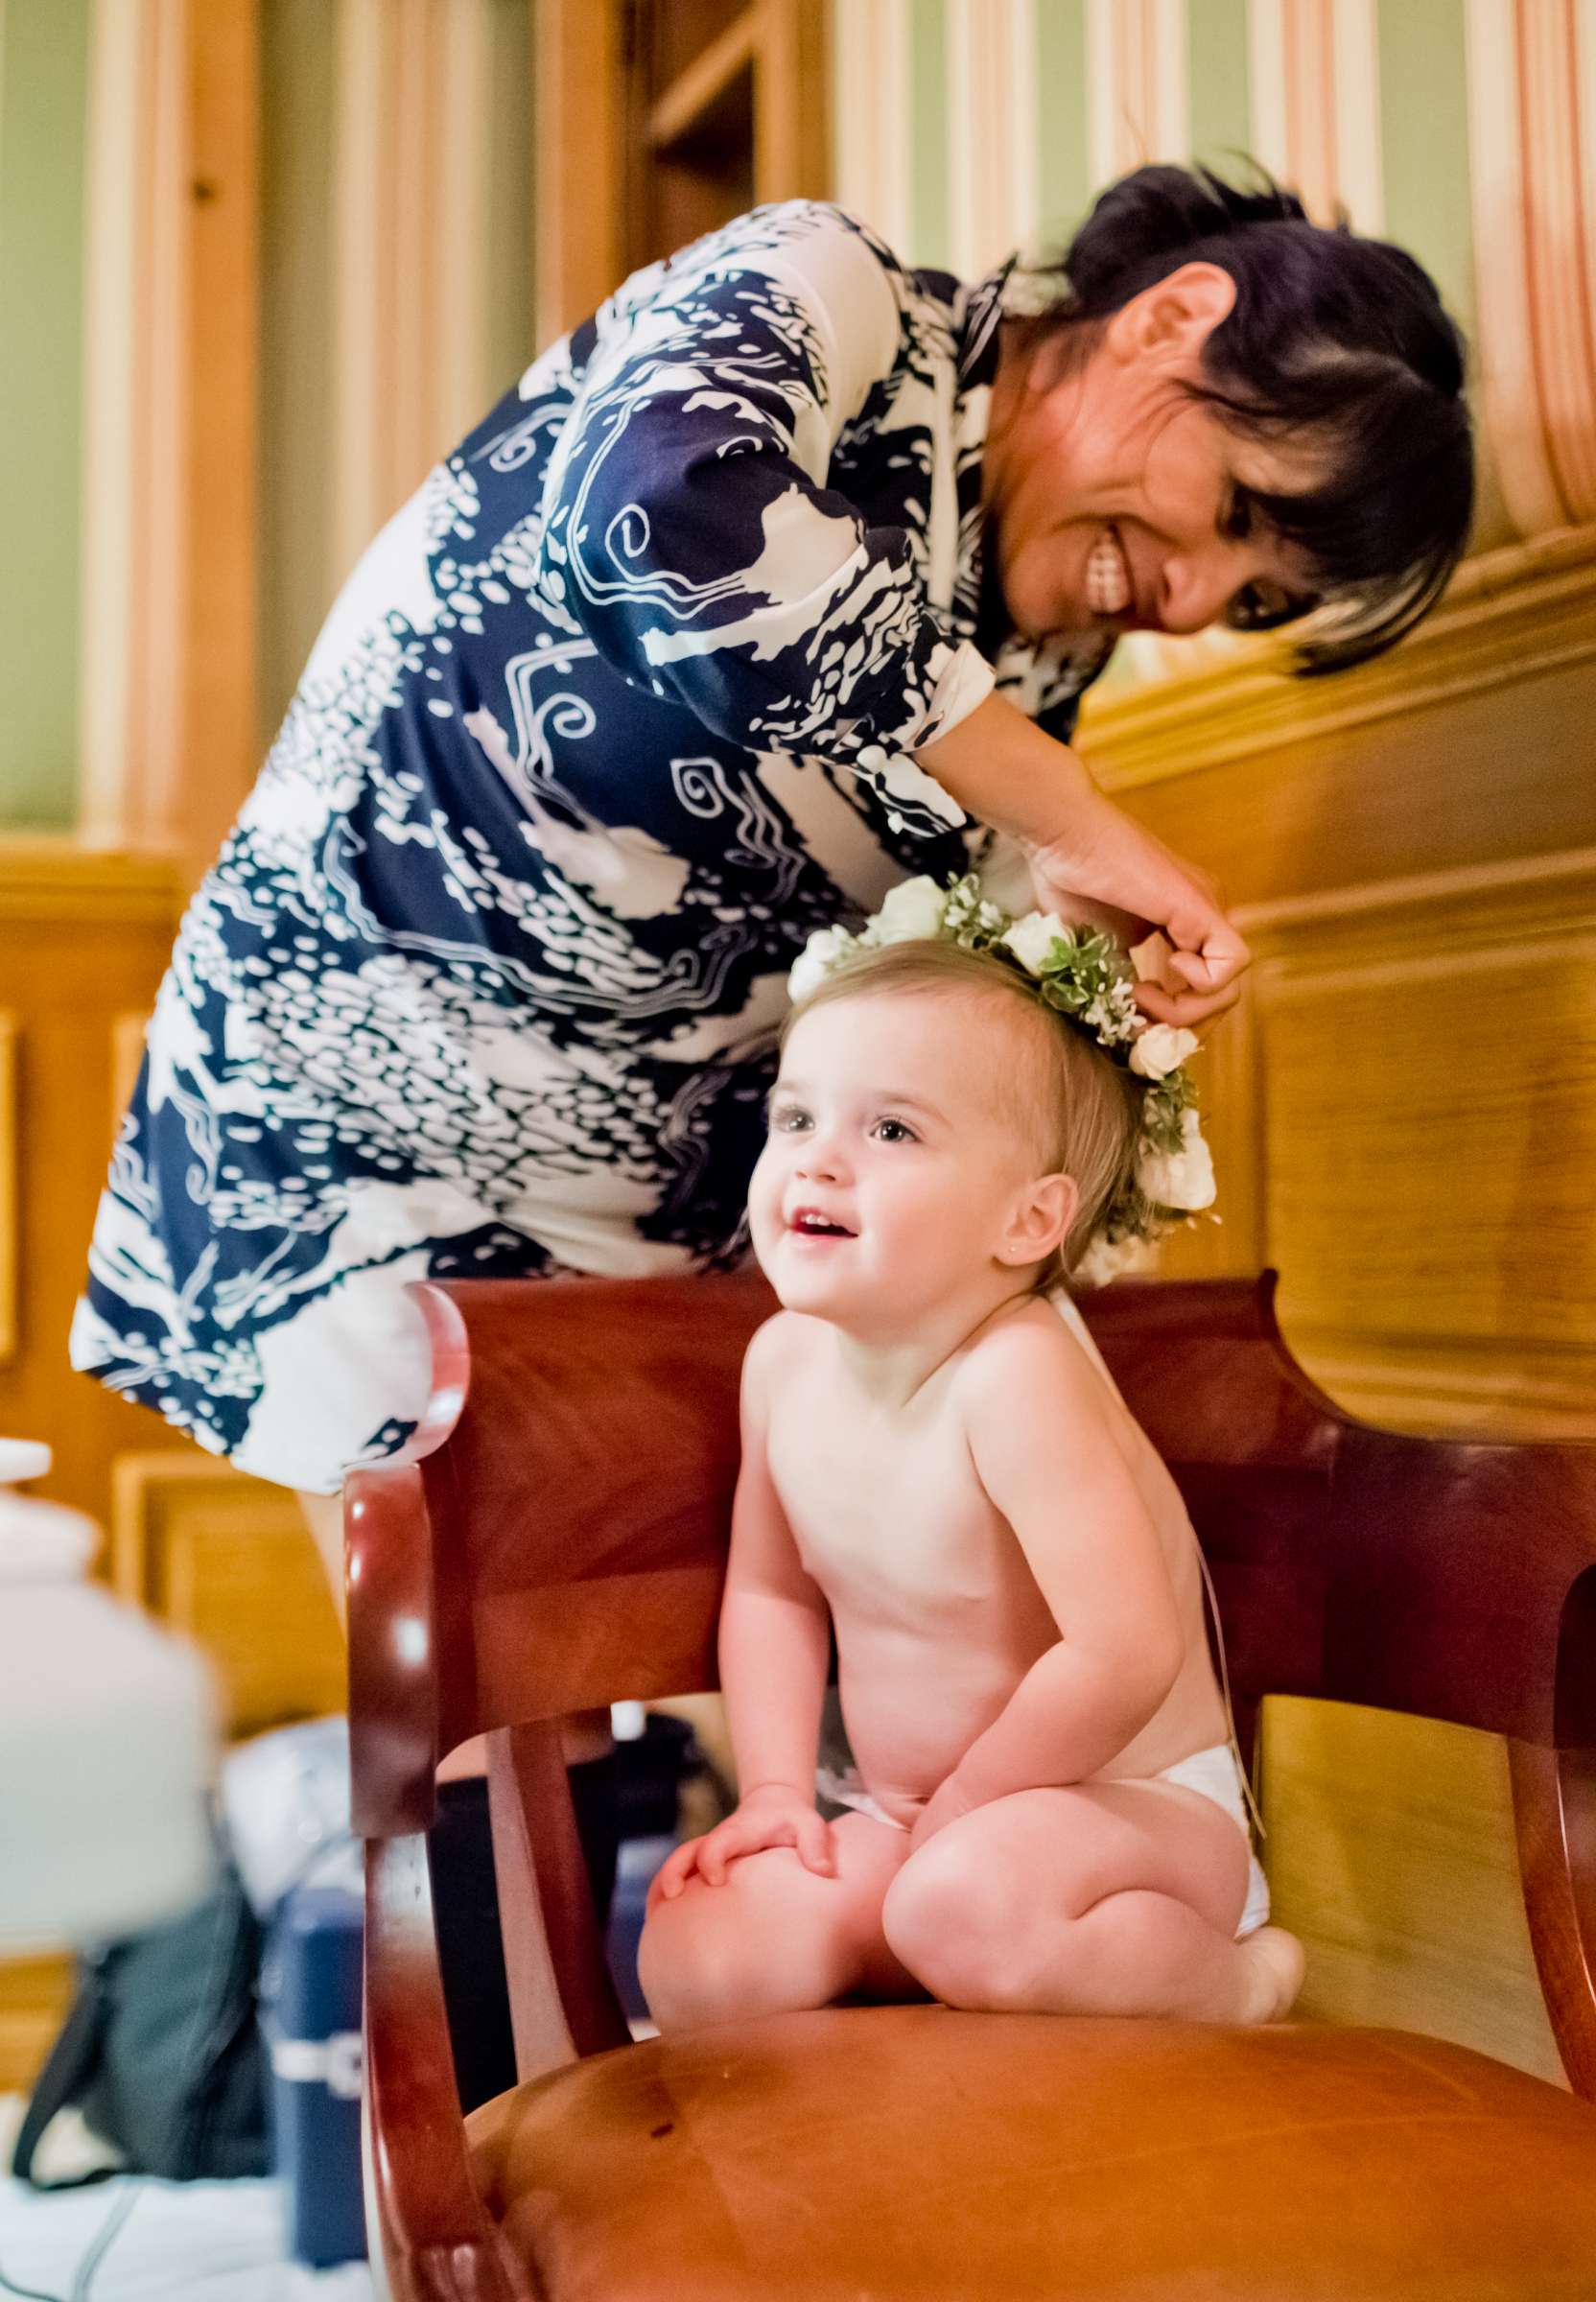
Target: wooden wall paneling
[[230, 1561], [126, 1058], [84, 941], [10, 1209], [1404, 1113], [1429, 1053], [1390, 1852], [1469, 743]]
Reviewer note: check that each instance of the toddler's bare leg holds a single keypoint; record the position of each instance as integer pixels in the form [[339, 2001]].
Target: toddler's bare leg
[[776, 1937], [1118, 1898]]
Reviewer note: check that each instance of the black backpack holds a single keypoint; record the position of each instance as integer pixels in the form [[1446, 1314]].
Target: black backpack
[[161, 2052]]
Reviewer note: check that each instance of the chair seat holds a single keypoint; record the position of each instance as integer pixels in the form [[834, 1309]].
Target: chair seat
[[911, 2152]]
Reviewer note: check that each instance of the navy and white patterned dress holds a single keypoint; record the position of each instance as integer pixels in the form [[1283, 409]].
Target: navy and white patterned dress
[[615, 710]]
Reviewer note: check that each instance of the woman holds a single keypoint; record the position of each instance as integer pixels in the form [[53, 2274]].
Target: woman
[[775, 582]]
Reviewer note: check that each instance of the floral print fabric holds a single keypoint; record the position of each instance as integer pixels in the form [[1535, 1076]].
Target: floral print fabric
[[611, 716]]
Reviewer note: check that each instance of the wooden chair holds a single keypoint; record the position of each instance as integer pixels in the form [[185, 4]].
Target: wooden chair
[[555, 1539]]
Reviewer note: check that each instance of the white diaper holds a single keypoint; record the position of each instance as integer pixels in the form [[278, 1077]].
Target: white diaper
[[1216, 1775], [1214, 1772]]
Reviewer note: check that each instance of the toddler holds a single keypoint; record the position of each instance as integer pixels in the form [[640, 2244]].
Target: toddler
[[938, 1468]]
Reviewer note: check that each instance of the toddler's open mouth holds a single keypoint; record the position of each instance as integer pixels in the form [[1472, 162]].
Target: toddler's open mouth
[[808, 1223]]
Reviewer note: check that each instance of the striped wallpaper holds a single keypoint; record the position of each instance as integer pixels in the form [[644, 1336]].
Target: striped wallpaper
[[395, 256], [1464, 128], [44, 52]]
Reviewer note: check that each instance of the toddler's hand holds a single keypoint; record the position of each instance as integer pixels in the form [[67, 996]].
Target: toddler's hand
[[777, 1813]]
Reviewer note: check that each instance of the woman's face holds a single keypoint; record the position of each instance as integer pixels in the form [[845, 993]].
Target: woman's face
[[1116, 502]]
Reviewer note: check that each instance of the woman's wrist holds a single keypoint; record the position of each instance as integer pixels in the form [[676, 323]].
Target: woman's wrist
[[1003, 770]]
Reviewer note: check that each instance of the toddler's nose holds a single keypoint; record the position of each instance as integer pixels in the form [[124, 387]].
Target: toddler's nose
[[821, 1162]]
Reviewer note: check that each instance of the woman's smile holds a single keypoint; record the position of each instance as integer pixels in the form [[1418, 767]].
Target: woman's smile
[[1108, 591]]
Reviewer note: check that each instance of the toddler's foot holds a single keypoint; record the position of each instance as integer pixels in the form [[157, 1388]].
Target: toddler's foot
[[1274, 1964]]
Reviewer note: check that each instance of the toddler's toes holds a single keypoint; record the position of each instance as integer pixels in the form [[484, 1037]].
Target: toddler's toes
[[1276, 1963]]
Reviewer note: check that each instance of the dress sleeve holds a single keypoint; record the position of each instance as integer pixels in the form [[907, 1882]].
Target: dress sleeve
[[687, 528]]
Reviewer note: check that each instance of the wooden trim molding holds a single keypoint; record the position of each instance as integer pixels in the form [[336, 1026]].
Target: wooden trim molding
[[42, 877], [577, 159], [1511, 615], [167, 668]]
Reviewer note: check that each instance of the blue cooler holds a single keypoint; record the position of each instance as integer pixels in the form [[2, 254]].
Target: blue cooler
[[311, 2015]]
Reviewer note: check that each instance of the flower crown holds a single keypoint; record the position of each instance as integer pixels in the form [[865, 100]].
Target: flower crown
[[1083, 974]]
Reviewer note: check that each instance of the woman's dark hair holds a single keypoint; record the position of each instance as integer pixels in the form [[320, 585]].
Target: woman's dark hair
[[1333, 335]]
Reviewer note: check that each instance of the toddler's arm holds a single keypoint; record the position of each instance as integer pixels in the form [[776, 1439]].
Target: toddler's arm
[[774, 1645], [1046, 1452]]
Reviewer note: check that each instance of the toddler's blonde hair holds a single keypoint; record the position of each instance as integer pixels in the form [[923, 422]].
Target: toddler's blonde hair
[[1076, 1104]]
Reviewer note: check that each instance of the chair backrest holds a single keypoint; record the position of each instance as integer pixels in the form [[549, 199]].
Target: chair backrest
[[557, 1540]]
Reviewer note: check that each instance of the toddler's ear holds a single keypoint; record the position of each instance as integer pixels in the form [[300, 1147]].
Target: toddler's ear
[[1039, 1219]]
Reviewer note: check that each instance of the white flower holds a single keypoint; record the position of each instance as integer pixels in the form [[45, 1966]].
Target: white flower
[[1108, 1259], [1182, 1179], [911, 913], [1031, 939], [825, 947], [1161, 1049]]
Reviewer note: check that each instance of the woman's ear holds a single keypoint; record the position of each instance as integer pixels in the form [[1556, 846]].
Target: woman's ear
[[1039, 1220], [1175, 317]]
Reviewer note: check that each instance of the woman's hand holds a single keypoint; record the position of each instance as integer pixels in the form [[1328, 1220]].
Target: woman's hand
[[1151, 887], [1089, 860], [775, 1814]]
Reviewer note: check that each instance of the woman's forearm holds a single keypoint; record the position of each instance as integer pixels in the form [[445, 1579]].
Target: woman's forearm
[[1004, 771], [774, 1653], [1083, 852]]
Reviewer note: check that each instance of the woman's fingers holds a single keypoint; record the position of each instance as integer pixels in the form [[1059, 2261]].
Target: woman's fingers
[[1186, 1010]]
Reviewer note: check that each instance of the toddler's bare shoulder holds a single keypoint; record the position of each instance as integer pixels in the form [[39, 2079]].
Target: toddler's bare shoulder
[[776, 1347], [1030, 1349]]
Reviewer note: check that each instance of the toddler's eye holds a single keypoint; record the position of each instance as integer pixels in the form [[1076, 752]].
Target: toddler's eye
[[895, 1131], [789, 1118]]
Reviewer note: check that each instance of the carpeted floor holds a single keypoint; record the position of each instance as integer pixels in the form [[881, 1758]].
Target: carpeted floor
[[131, 2239]]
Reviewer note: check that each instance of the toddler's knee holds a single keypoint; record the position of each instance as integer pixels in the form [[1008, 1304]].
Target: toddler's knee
[[955, 1925], [687, 1977]]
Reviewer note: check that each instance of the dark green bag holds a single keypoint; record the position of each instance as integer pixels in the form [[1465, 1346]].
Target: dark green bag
[[161, 2052]]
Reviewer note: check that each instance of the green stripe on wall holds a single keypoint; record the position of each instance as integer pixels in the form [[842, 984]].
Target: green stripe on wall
[[1217, 66], [928, 133], [44, 56], [1424, 141], [1062, 144]]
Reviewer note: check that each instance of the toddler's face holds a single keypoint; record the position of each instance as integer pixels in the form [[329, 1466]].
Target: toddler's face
[[890, 1168]]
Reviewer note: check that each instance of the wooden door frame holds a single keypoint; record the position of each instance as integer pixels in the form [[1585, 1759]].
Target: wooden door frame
[[579, 212]]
